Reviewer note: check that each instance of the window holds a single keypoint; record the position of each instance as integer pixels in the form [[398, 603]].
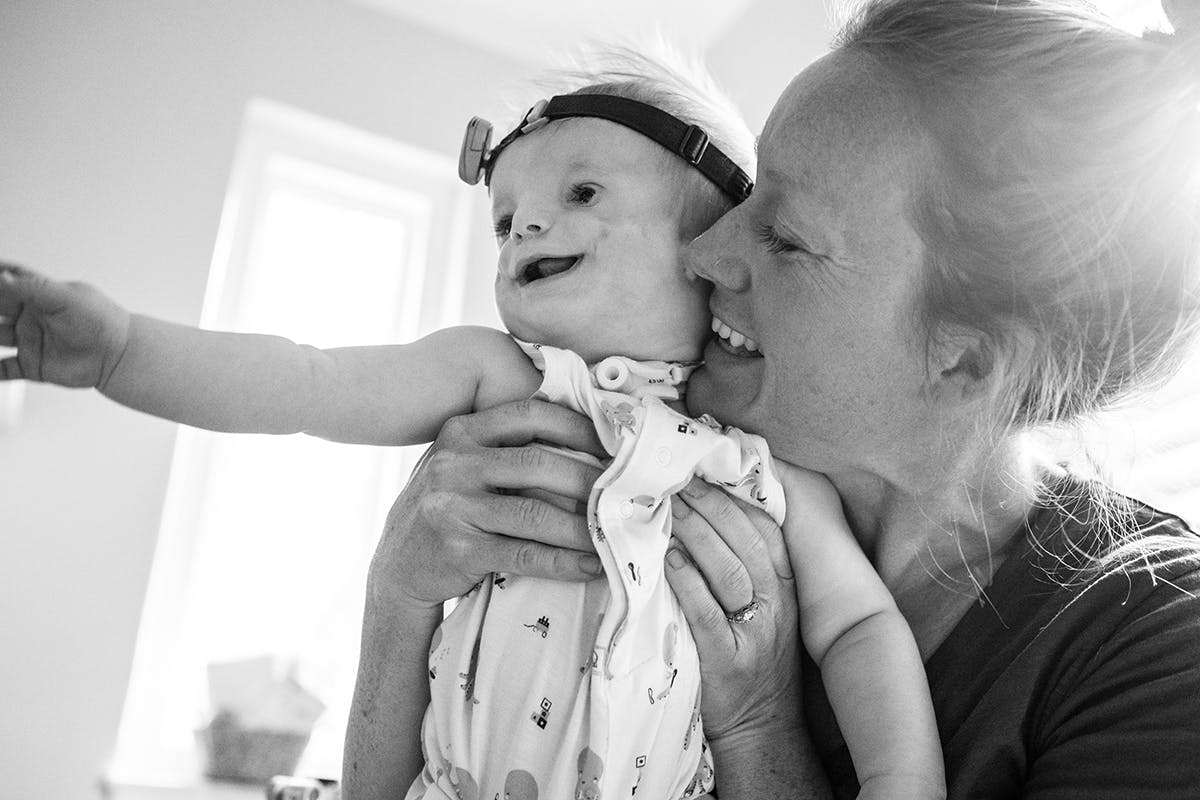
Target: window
[[329, 236], [1150, 448]]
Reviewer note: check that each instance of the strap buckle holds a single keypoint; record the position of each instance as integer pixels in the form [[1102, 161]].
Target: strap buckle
[[695, 142]]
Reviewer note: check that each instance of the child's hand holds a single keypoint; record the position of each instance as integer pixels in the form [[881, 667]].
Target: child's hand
[[64, 333]]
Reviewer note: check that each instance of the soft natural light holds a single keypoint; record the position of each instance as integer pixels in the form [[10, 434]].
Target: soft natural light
[[1135, 16], [1151, 446], [266, 540]]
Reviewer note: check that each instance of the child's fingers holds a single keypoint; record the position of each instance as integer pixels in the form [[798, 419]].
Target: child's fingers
[[8, 334], [10, 369], [20, 286], [15, 269]]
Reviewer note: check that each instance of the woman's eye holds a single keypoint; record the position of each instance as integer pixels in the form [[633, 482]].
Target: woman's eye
[[502, 227], [582, 194], [774, 244]]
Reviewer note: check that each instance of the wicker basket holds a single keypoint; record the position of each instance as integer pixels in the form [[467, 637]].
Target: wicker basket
[[234, 753]]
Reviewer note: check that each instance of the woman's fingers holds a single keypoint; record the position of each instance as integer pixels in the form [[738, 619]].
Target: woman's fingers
[[513, 468], [465, 511], [524, 422], [513, 520], [727, 578], [731, 557], [748, 552], [706, 615]]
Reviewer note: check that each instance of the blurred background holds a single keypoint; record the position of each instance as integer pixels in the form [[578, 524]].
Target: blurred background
[[284, 166]]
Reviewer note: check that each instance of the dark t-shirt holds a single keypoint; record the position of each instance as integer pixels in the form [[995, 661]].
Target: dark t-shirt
[[1065, 685]]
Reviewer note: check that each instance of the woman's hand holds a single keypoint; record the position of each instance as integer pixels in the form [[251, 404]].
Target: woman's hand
[[460, 518], [727, 556], [456, 521]]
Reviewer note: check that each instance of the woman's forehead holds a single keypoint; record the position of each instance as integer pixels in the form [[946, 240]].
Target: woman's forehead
[[842, 120]]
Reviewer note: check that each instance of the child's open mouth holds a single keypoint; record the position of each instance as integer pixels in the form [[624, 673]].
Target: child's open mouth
[[545, 267]]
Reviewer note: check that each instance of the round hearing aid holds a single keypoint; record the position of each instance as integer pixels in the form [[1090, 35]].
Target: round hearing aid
[[474, 152]]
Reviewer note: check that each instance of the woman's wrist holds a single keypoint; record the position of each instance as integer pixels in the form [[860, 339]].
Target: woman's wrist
[[768, 762]]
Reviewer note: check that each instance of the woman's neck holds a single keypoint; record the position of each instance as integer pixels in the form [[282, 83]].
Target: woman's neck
[[935, 531]]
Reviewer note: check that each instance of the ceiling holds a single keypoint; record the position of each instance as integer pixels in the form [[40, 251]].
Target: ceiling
[[532, 30]]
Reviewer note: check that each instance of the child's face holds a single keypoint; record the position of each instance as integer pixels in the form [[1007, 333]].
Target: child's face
[[587, 219]]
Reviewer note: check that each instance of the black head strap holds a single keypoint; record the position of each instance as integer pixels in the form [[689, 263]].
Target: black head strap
[[689, 142]]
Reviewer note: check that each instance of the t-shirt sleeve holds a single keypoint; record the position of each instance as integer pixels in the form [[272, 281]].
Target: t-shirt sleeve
[[1128, 724]]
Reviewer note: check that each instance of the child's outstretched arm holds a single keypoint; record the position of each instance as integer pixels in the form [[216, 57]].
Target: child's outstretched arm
[[868, 658], [73, 335]]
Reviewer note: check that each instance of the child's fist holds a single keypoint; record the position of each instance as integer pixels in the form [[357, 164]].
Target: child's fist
[[64, 333]]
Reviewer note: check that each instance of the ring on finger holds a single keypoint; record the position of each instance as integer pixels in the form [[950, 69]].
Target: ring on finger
[[743, 614]]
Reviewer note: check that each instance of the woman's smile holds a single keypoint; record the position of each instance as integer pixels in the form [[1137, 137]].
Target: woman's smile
[[734, 340]]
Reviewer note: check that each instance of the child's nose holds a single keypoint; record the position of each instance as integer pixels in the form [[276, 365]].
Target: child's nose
[[530, 229], [529, 224]]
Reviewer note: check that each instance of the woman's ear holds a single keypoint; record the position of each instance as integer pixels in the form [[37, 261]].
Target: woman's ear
[[966, 364]]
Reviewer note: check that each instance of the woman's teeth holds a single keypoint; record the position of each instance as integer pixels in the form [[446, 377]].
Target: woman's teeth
[[735, 338]]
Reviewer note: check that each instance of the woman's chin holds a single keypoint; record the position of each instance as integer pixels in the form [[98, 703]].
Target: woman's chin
[[724, 386]]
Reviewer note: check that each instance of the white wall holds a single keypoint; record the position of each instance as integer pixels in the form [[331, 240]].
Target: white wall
[[118, 121], [118, 128]]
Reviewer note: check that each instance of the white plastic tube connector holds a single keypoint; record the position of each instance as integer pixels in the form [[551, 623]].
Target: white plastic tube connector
[[613, 374]]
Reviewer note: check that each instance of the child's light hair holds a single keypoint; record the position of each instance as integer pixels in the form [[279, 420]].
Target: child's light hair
[[660, 75]]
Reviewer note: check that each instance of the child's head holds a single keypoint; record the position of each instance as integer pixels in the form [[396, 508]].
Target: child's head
[[591, 216]]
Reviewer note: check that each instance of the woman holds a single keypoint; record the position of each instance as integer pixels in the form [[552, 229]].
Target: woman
[[973, 220]]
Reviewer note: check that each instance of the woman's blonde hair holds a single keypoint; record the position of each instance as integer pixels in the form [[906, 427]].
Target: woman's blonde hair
[[1062, 217]]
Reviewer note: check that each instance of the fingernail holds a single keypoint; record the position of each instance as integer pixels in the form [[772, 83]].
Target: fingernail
[[695, 487], [591, 565], [679, 510], [676, 558]]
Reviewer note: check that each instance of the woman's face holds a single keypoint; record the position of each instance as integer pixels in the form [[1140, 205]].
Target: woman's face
[[819, 268]]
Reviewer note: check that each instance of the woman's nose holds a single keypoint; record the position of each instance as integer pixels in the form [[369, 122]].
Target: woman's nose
[[716, 256]]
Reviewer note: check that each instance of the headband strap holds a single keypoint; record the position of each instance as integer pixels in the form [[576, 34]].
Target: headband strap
[[689, 142]]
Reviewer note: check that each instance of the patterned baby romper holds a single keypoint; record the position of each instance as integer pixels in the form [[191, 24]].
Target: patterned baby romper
[[555, 690]]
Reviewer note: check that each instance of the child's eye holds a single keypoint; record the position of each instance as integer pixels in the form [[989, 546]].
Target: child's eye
[[502, 227], [768, 236], [582, 194]]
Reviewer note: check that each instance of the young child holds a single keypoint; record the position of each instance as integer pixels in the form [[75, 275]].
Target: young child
[[542, 688]]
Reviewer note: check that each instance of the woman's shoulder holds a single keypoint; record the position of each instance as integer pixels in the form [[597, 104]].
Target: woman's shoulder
[[1084, 531], [1082, 657]]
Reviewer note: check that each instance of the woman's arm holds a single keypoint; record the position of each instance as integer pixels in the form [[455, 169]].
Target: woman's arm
[[454, 523], [751, 700]]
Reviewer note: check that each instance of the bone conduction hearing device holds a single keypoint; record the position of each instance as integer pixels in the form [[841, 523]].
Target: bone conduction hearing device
[[689, 142]]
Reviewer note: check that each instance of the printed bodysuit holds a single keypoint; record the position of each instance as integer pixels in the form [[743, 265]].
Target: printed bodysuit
[[551, 689]]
